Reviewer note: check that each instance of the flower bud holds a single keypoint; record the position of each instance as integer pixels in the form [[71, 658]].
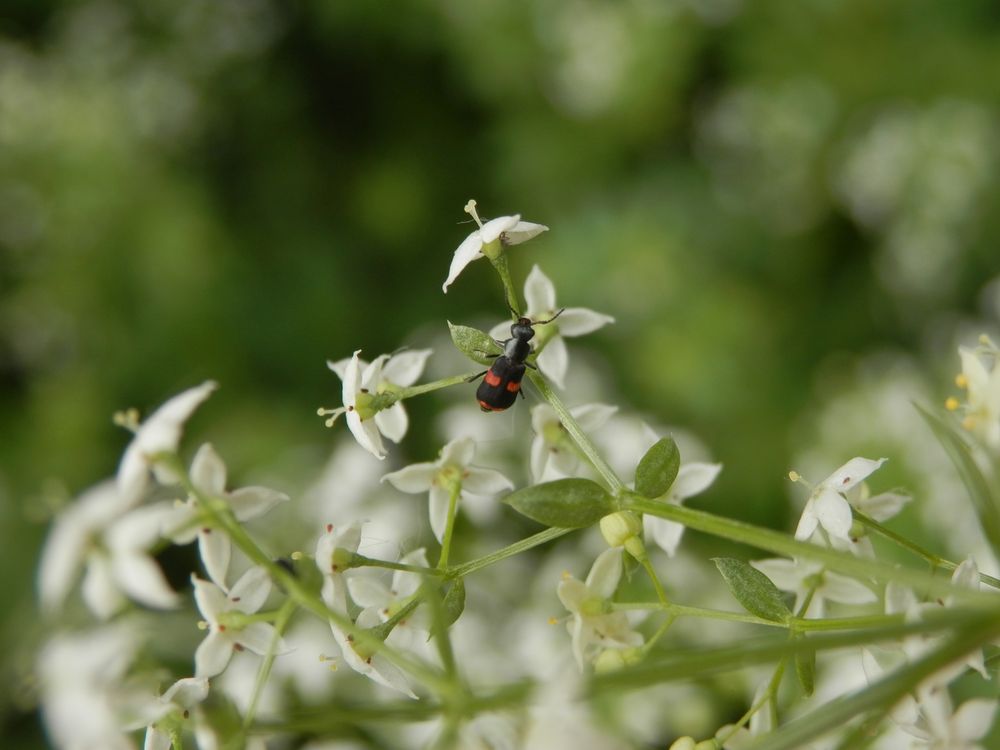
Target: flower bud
[[619, 527], [684, 743]]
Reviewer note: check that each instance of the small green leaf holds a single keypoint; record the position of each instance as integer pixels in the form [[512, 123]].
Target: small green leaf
[[477, 345], [805, 670], [454, 602], [987, 505], [657, 470], [753, 589], [564, 503]]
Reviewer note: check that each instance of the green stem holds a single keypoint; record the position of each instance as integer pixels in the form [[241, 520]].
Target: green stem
[[435, 385], [916, 549], [651, 572], [459, 571], [660, 631], [782, 544], [281, 622], [449, 526], [499, 262], [681, 610], [358, 561], [844, 623], [573, 428], [175, 739]]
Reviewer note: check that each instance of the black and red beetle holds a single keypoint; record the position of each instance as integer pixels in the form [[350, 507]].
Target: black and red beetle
[[502, 382]]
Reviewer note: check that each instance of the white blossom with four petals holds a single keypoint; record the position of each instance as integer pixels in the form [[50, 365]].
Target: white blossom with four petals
[[170, 710], [160, 433], [452, 472], [224, 612], [184, 524], [111, 545], [540, 302], [384, 601], [508, 230], [827, 507], [593, 627]]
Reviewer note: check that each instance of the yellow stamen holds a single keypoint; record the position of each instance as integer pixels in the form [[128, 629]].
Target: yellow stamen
[[951, 403], [961, 381], [969, 423], [794, 476]]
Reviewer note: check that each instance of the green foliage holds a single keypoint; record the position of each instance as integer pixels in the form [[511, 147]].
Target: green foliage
[[753, 589], [657, 469], [564, 503], [477, 345]]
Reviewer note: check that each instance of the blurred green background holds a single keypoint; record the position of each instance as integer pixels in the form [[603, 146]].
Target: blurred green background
[[791, 208]]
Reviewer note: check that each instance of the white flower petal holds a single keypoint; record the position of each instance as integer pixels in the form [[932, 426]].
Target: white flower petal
[[458, 452], [571, 593], [786, 574], [371, 375], [179, 525], [156, 739], [539, 294], [215, 550], [974, 718], [845, 590], [976, 374], [579, 321], [808, 521], [693, 478], [539, 458], [251, 502], [405, 583], [213, 655], [899, 599], [966, 574], [854, 471], [261, 638], [493, 228], [211, 600], [439, 501], [834, 513], [339, 366], [62, 556], [405, 367], [208, 472], [467, 252], [414, 478], [501, 331], [393, 422], [523, 231], [367, 591], [591, 417], [140, 577], [352, 380], [554, 361], [485, 481], [250, 592], [605, 573], [99, 590], [367, 434], [187, 692], [666, 534], [884, 506], [160, 433], [140, 528]]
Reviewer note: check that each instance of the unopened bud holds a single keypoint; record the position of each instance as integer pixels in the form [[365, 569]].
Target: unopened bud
[[684, 743], [619, 527]]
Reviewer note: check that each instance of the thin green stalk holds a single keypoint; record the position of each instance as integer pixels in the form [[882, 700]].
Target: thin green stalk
[[459, 571], [358, 561], [916, 549], [844, 623], [769, 695], [573, 428], [782, 544], [499, 262], [281, 622], [651, 572], [435, 385], [449, 526], [660, 631], [681, 610]]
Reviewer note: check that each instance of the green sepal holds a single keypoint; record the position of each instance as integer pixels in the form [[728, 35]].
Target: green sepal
[[564, 503], [805, 670], [657, 470], [477, 345], [754, 590]]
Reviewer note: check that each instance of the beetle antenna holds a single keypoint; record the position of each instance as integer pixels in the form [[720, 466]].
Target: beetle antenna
[[543, 322]]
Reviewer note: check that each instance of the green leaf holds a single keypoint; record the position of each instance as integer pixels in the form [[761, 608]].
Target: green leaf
[[477, 345], [454, 602], [657, 470], [564, 503], [753, 589], [805, 670], [986, 505]]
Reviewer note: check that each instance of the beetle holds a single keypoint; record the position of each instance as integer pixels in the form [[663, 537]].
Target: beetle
[[502, 382]]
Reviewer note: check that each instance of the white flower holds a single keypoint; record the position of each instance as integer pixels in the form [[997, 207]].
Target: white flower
[[374, 666], [807, 579], [939, 727], [982, 410], [388, 371], [508, 230], [333, 552], [827, 506], [593, 626], [80, 676], [159, 434], [451, 473], [540, 299], [385, 601], [691, 479], [553, 453], [186, 523], [171, 709], [112, 548], [227, 626]]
